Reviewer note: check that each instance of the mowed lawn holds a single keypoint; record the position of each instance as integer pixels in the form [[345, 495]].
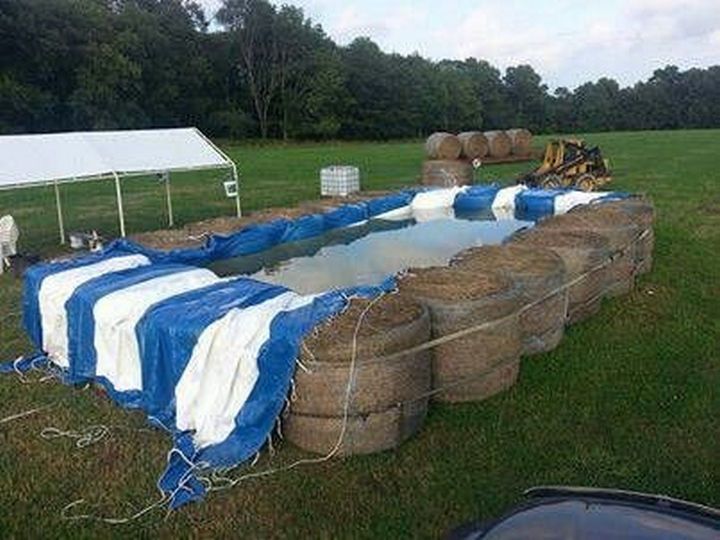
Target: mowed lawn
[[630, 399]]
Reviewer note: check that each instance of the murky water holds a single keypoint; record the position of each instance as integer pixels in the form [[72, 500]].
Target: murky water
[[366, 254]]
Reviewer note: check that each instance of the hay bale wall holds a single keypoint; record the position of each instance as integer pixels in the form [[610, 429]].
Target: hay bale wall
[[364, 434], [474, 145], [441, 145], [521, 141], [499, 144], [447, 173], [581, 251], [481, 364], [539, 273], [388, 401], [620, 232], [596, 245], [642, 212]]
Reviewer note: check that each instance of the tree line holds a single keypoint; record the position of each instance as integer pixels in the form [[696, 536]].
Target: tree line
[[261, 70]]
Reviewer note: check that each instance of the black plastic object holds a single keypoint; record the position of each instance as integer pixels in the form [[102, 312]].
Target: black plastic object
[[572, 513]]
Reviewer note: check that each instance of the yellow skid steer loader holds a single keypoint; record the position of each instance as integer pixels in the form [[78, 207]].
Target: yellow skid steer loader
[[569, 163]]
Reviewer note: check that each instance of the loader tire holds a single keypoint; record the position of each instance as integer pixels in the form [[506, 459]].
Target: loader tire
[[586, 182]]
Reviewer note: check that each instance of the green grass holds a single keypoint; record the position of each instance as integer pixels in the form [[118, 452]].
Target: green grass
[[631, 398]]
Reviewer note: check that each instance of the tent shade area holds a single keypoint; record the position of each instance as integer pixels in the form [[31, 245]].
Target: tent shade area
[[57, 158]]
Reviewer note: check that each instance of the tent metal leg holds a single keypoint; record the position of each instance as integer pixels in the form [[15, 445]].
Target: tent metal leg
[[121, 212], [61, 221], [168, 196], [237, 191]]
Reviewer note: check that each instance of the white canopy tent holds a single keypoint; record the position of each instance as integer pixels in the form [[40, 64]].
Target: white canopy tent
[[56, 158]]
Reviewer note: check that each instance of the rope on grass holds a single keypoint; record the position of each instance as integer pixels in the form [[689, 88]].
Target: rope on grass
[[163, 501], [24, 414], [83, 438]]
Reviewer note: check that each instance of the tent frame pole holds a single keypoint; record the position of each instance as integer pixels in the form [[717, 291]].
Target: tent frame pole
[[168, 196], [238, 209], [233, 166], [121, 212], [61, 221]]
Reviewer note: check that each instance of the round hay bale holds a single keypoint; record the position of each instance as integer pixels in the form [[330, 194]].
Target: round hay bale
[[642, 212], [393, 323], [499, 144], [581, 251], [441, 145], [521, 140], [447, 173], [486, 361], [474, 144], [538, 272], [621, 233], [364, 434]]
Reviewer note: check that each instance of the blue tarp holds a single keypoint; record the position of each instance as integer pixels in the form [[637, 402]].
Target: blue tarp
[[477, 198]]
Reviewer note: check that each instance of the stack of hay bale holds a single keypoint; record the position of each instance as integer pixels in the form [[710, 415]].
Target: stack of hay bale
[[444, 166], [388, 398], [450, 157], [485, 310]]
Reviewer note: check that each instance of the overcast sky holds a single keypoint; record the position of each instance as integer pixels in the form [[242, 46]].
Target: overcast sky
[[567, 41]]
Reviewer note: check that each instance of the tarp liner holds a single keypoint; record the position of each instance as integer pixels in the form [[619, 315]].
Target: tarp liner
[[208, 359]]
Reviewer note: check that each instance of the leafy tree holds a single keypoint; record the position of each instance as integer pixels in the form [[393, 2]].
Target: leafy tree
[[526, 95], [270, 71]]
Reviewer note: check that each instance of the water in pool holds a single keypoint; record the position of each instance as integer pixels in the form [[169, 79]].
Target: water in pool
[[366, 254]]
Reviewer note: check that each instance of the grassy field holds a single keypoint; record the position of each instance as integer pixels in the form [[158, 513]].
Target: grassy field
[[631, 398]]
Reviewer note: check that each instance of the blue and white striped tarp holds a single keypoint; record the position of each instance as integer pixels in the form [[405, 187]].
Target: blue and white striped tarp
[[209, 359]]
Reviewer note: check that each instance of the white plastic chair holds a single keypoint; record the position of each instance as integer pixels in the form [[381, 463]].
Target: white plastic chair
[[9, 234]]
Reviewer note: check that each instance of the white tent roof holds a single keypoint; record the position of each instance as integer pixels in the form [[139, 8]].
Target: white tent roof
[[28, 160], [34, 159]]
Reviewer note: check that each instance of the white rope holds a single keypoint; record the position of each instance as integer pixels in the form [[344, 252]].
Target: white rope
[[24, 414], [162, 501], [83, 438]]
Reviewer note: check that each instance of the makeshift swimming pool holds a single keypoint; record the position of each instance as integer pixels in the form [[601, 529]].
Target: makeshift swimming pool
[[211, 359], [368, 253]]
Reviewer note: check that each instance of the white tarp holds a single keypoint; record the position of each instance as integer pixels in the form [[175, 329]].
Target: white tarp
[[31, 159]]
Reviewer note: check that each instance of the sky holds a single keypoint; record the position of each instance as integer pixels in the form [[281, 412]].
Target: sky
[[567, 42]]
